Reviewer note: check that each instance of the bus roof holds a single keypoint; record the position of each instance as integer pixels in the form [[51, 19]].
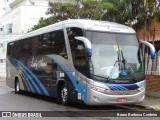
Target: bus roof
[[98, 25], [94, 25]]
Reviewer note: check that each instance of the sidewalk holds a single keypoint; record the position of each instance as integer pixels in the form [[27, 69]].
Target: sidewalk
[[152, 103], [2, 79]]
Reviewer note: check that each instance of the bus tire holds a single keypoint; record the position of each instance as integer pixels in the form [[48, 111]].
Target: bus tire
[[17, 87], [64, 95]]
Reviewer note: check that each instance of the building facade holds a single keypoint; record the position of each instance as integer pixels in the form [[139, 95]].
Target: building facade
[[19, 17], [152, 67]]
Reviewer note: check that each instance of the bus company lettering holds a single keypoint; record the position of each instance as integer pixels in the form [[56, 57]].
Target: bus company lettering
[[37, 64]]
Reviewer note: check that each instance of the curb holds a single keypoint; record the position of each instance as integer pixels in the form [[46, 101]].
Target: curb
[[146, 107], [2, 81], [149, 107], [157, 109]]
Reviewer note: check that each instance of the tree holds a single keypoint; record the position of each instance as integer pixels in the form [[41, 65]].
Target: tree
[[123, 11], [84, 9], [126, 12], [42, 22], [88, 9], [151, 17]]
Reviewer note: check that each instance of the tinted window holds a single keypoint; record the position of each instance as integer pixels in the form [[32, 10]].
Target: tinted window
[[72, 32], [49, 43], [9, 49], [109, 38], [45, 44], [114, 53]]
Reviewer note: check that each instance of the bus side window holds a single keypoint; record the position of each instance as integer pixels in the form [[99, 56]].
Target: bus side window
[[77, 50], [9, 51], [60, 44], [52, 43], [14, 50], [80, 62], [22, 49], [33, 46], [72, 32]]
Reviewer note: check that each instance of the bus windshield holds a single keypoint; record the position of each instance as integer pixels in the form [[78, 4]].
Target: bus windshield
[[115, 55]]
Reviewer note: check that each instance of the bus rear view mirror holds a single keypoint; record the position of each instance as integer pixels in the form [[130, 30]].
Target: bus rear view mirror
[[151, 47], [87, 44]]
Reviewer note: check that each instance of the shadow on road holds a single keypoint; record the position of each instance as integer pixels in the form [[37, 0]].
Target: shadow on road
[[84, 107]]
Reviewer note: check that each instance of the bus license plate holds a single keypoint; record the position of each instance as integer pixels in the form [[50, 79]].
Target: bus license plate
[[121, 99]]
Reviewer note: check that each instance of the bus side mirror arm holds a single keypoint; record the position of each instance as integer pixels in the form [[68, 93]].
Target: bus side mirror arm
[[87, 44], [151, 47]]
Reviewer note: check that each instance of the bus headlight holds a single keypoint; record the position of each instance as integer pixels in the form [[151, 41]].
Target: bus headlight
[[141, 89], [96, 88]]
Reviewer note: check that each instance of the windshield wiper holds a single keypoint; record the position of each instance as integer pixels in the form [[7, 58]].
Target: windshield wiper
[[124, 61], [100, 77], [128, 67]]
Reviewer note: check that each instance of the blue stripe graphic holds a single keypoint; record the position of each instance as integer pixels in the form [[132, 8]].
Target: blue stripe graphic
[[114, 87], [122, 86], [30, 78], [24, 77], [26, 82], [79, 87], [37, 80]]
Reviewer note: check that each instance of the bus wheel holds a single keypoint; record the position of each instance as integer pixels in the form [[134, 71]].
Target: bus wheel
[[17, 87], [64, 95]]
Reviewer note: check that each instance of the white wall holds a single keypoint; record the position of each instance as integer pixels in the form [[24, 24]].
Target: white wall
[[3, 49], [3, 58], [3, 70], [22, 17], [28, 19]]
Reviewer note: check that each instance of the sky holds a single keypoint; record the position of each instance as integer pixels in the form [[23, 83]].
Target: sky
[[1, 7]]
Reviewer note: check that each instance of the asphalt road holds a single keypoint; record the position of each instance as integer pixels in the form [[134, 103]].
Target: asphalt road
[[9, 101]]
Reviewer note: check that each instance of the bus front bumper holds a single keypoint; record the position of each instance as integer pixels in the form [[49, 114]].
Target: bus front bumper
[[98, 98]]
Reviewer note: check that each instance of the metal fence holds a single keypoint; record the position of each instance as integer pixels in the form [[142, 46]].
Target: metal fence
[[152, 66]]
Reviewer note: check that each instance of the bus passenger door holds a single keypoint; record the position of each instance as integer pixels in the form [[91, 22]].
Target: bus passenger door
[[79, 61]]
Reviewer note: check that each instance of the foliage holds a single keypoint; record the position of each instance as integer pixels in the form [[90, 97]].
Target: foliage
[[42, 22], [85, 9], [152, 11], [124, 11], [121, 11]]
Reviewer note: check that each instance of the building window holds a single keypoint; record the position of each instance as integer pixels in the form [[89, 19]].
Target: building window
[[3, 51], [9, 28], [1, 45], [1, 60]]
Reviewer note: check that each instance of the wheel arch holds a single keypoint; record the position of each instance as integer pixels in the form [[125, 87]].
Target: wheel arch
[[59, 85], [15, 80]]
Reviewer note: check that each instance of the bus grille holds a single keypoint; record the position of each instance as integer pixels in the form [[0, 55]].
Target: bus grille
[[127, 92]]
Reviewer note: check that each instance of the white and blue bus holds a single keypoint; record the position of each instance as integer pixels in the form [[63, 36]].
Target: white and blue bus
[[82, 61]]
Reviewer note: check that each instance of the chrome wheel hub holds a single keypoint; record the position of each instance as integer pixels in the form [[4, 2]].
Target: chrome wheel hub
[[64, 94], [17, 87]]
